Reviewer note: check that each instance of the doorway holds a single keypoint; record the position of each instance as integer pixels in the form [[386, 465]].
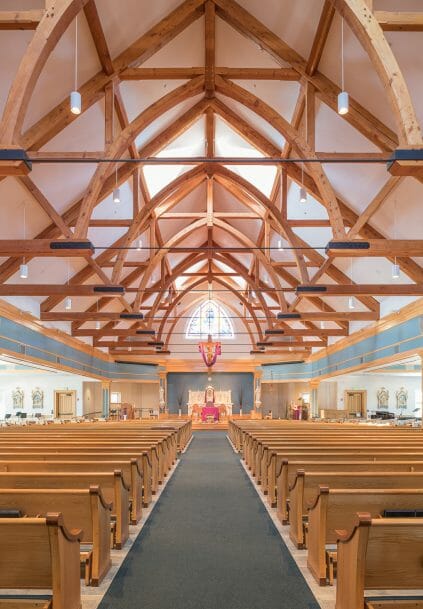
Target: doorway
[[355, 403], [64, 404]]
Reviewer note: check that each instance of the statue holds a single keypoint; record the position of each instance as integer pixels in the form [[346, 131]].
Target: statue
[[209, 395], [383, 398], [37, 398], [162, 401], [257, 395], [402, 398], [18, 398]]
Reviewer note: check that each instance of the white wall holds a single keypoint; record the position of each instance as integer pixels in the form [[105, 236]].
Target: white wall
[[47, 382], [372, 383]]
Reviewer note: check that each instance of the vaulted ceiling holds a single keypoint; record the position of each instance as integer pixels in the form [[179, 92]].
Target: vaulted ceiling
[[217, 113]]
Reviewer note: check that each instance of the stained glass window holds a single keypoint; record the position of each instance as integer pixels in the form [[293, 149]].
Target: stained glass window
[[210, 319]]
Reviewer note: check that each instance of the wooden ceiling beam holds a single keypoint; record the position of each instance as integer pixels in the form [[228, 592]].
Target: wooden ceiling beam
[[365, 122], [45, 289], [46, 206], [288, 74], [362, 289], [210, 47], [93, 90], [320, 37], [34, 248], [99, 39], [336, 316], [381, 248], [400, 21], [21, 20]]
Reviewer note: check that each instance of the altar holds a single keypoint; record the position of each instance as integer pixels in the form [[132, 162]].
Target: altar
[[209, 404]]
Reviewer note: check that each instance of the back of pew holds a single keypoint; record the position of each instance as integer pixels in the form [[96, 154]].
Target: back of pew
[[164, 461], [147, 463], [306, 486], [335, 509], [130, 470], [289, 471], [40, 553], [379, 554], [83, 509], [113, 487], [276, 461]]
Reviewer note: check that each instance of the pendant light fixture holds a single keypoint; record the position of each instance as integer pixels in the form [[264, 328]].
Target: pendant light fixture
[[351, 300], [303, 192], [343, 97], [139, 246], [280, 245], [68, 300], [396, 273], [116, 191], [75, 96], [23, 269]]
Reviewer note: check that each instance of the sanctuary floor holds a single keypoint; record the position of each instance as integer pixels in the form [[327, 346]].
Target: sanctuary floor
[[209, 543]]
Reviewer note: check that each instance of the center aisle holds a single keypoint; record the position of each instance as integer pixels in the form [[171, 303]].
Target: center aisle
[[209, 543]]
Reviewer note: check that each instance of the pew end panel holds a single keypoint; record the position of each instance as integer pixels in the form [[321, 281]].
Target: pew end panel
[[40, 553], [121, 509], [317, 535], [101, 513], [378, 554], [296, 494]]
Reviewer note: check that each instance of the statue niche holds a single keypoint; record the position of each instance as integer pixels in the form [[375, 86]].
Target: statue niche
[[37, 398], [383, 398], [18, 398]]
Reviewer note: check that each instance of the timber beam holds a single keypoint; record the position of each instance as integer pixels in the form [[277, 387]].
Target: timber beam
[[20, 20], [381, 248], [46, 247], [361, 290], [28, 289]]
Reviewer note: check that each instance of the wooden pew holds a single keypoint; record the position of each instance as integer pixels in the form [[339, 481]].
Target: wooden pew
[[379, 554], [113, 487], [148, 468], [83, 509], [274, 470], [135, 450], [289, 471], [334, 509], [40, 553], [130, 470], [306, 486]]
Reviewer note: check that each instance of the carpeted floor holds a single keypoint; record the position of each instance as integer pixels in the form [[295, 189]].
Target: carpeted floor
[[209, 544]]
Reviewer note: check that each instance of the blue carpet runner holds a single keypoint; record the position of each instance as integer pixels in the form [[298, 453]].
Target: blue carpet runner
[[209, 544]]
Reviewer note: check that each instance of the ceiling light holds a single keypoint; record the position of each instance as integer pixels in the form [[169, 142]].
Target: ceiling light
[[68, 304], [116, 195], [351, 302], [343, 98], [139, 247], [75, 96], [280, 245], [343, 103], [23, 271], [303, 195], [97, 325], [322, 325], [75, 102], [396, 271]]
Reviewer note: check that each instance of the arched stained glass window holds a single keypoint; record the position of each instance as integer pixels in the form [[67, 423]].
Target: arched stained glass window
[[210, 319]]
